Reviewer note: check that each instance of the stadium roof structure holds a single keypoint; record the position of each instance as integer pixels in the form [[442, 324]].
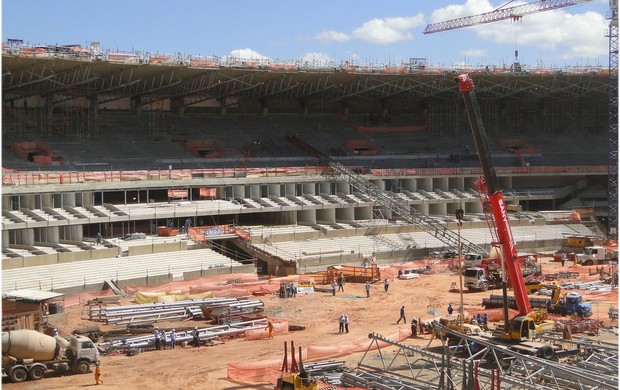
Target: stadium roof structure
[[65, 79]]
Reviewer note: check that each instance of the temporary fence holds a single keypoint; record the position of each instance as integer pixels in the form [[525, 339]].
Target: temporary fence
[[268, 371]]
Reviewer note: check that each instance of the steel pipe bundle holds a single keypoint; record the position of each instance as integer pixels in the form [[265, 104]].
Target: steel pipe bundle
[[204, 333]]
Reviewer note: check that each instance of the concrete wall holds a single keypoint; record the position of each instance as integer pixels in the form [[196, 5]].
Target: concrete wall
[[157, 248]]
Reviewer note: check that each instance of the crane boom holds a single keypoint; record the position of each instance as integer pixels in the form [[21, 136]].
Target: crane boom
[[495, 196], [515, 12]]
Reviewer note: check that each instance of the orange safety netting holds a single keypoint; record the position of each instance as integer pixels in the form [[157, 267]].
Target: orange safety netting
[[221, 286], [268, 371]]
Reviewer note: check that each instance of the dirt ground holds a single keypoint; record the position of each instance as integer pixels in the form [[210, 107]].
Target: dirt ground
[[205, 367]]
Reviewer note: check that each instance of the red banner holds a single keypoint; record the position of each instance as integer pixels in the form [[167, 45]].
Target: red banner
[[177, 193], [208, 192]]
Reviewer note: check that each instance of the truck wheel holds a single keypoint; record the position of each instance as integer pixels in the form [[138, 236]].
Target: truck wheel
[[484, 286], [588, 262], [19, 374], [81, 367], [36, 373]]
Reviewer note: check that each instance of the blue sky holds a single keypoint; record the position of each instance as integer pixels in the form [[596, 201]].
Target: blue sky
[[362, 32]]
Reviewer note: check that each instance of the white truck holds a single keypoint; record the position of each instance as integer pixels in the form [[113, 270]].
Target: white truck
[[595, 255], [28, 354]]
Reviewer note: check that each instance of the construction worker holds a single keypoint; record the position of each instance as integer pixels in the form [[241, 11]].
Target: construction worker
[[450, 309], [414, 328], [157, 338], [173, 338], [340, 282], [402, 315], [55, 332], [163, 339], [386, 284], [270, 327], [346, 323], [367, 289], [98, 374], [341, 324], [195, 337], [334, 287]]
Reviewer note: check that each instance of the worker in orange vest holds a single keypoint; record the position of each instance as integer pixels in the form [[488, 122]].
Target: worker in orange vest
[[98, 374]]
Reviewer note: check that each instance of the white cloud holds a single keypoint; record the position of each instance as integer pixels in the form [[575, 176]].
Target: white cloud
[[471, 7], [247, 54], [332, 36], [559, 32], [388, 30]]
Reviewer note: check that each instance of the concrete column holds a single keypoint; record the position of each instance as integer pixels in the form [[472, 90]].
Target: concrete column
[[344, 107], [46, 200], [275, 189], [425, 183], [409, 185], [264, 107], [28, 201], [326, 215], [362, 213], [456, 183], [255, 190], [74, 233], [68, 199], [238, 191], [345, 215], [306, 216], [5, 239], [136, 105], [25, 237], [343, 187], [86, 199], [308, 188], [303, 104], [473, 207], [178, 105], [289, 189], [422, 208], [438, 209], [6, 202], [325, 188], [440, 183]]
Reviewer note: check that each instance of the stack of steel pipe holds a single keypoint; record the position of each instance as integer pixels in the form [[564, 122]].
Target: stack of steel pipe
[[234, 312], [154, 312], [185, 336]]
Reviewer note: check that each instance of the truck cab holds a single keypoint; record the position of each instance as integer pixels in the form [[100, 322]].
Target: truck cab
[[472, 260], [576, 306], [82, 352], [593, 255], [479, 279]]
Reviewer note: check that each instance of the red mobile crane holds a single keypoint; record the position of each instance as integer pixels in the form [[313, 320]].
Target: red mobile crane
[[527, 323]]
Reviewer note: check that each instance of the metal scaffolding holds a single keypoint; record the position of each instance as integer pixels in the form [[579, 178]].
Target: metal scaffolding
[[461, 359]]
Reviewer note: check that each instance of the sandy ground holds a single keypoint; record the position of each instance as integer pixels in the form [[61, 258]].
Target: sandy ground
[[205, 367]]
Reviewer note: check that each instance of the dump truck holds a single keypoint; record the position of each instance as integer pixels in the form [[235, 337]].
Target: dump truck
[[28, 354], [566, 305], [595, 255]]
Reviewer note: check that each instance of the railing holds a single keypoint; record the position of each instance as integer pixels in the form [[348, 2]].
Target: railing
[[18, 178], [76, 52]]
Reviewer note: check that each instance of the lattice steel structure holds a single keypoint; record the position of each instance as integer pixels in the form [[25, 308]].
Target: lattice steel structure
[[612, 195]]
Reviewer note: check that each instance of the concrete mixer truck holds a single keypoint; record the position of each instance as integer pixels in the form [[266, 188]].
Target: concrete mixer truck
[[28, 354]]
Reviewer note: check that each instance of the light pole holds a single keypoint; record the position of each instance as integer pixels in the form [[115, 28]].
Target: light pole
[[459, 216]]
